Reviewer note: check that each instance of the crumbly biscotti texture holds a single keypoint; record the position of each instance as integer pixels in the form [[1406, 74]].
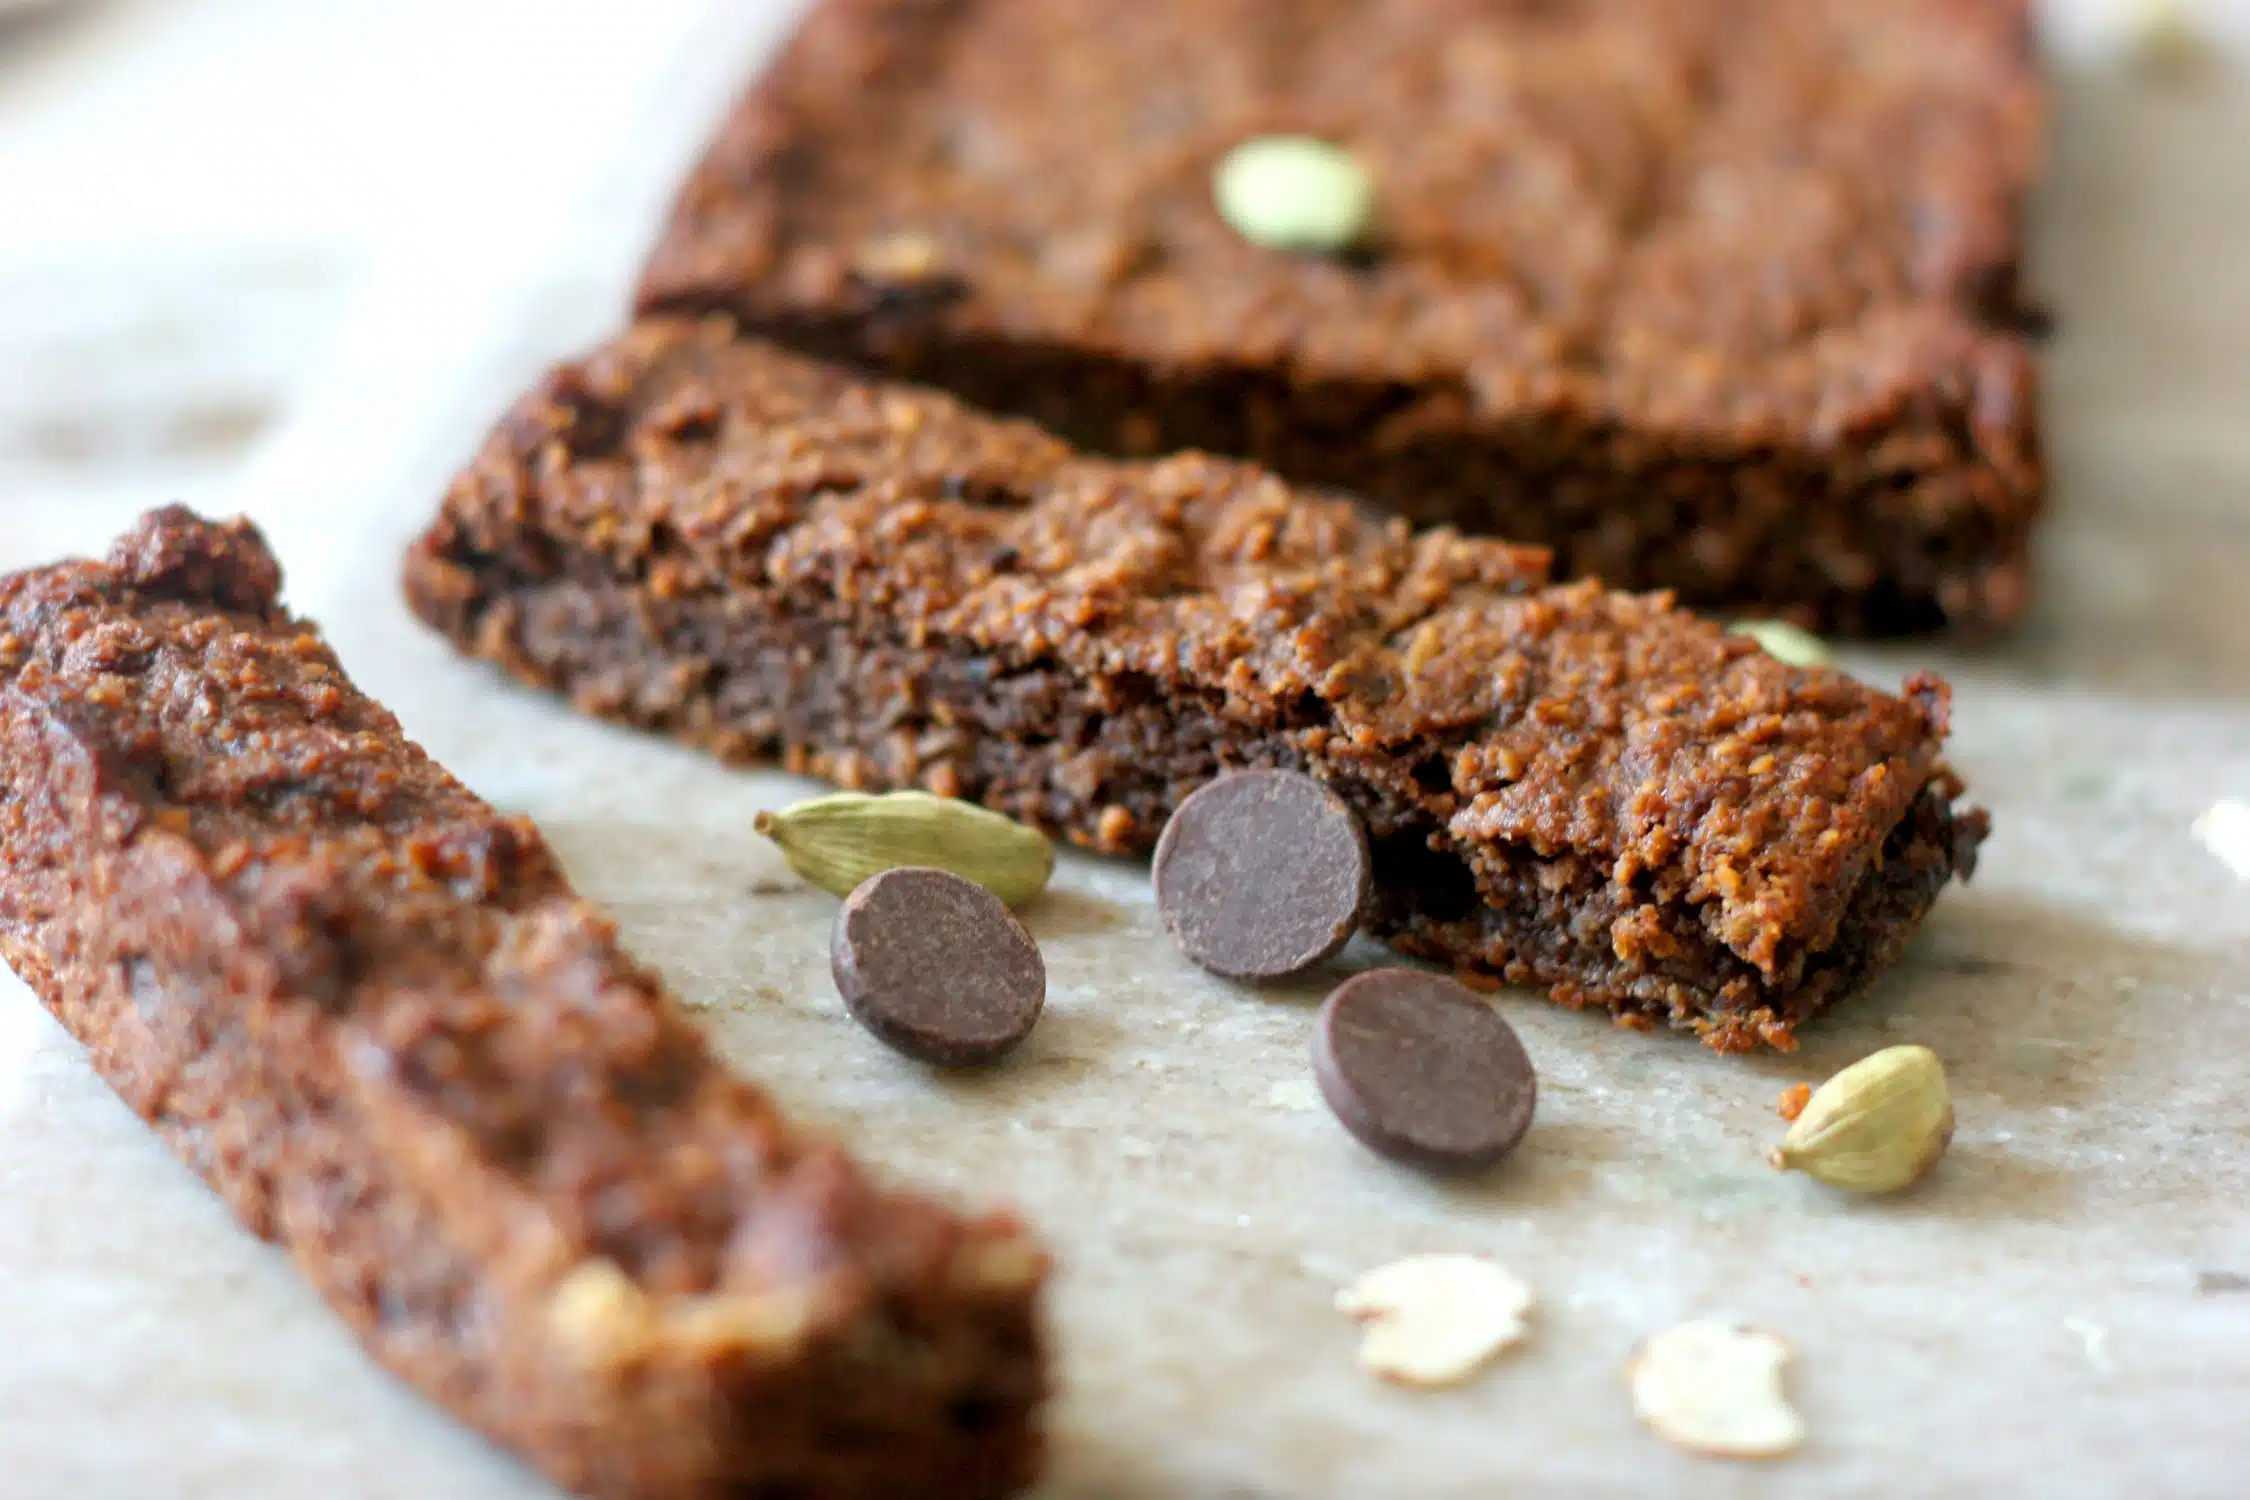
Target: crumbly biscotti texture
[[370, 1011], [1719, 296], [1590, 791]]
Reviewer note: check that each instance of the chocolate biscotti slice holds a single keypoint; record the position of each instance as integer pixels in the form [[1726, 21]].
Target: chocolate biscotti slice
[[1590, 791], [370, 1011], [1720, 296]]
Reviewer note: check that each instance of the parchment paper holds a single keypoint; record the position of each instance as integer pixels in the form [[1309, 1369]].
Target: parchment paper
[[2063, 1310]]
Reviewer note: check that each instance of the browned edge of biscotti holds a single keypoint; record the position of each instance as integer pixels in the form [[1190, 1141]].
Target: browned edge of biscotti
[[370, 1011]]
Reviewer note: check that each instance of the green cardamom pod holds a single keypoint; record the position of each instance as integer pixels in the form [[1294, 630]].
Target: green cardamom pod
[[1294, 192], [1875, 1127], [840, 840], [1784, 641]]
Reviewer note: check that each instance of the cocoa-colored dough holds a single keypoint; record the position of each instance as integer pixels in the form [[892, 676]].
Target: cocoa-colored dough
[[1714, 295], [1590, 791], [371, 1012]]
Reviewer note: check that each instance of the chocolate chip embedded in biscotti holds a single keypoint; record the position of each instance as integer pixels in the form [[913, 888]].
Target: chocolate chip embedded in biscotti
[[936, 966], [1422, 1070], [1262, 874]]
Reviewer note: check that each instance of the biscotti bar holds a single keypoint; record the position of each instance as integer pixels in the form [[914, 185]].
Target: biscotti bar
[[1714, 295], [1590, 791], [371, 1012]]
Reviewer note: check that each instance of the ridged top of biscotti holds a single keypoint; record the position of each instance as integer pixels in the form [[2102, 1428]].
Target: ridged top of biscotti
[[1565, 719], [1773, 220], [427, 951]]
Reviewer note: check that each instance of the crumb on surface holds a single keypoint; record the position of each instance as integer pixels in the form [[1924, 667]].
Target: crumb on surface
[[769, 885], [1113, 829], [1793, 1101]]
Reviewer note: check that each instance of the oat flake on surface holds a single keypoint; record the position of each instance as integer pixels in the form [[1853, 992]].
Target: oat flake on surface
[[1434, 1320], [2224, 829], [1715, 1389]]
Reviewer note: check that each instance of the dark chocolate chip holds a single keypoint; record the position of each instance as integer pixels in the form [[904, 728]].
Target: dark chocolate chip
[[1422, 1070], [936, 966], [1262, 874]]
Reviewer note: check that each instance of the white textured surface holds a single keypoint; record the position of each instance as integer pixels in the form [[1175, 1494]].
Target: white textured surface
[[2062, 1309]]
